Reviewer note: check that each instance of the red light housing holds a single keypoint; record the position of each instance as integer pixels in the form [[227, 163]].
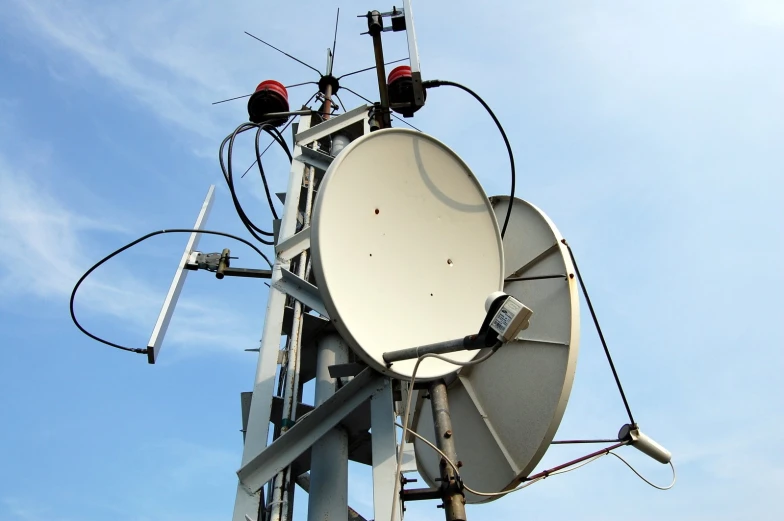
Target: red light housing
[[400, 85], [270, 97]]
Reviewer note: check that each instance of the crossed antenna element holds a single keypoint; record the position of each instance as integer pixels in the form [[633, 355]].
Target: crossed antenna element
[[328, 84]]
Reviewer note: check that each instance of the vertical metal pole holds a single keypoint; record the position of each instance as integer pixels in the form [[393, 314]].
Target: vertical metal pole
[[375, 26], [454, 501], [327, 101], [328, 87], [384, 454], [328, 497], [247, 501], [282, 493]]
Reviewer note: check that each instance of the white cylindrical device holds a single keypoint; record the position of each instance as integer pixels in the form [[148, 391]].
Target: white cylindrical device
[[644, 444], [339, 142]]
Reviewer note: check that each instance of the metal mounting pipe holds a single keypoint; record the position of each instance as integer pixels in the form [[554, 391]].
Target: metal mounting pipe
[[375, 27], [282, 492], [449, 346], [328, 496], [451, 494]]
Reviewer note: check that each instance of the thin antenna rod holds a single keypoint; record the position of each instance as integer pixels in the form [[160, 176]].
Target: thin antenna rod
[[251, 94], [341, 101], [371, 68], [232, 99], [356, 94], [335, 41], [285, 53], [301, 84]]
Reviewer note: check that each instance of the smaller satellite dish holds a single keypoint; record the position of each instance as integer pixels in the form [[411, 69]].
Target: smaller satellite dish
[[406, 248], [506, 410]]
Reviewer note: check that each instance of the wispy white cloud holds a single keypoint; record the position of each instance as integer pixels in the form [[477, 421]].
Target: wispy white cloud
[[48, 245]]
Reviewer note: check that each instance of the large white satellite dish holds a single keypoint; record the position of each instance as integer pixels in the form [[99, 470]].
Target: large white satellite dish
[[506, 410], [406, 248]]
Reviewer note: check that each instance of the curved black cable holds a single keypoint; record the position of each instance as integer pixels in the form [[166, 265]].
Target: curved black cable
[[129, 245], [264, 177], [601, 335], [227, 170], [438, 83], [280, 133], [227, 174]]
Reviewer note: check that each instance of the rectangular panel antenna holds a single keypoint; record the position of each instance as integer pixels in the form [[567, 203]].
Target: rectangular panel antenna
[[413, 55], [156, 339]]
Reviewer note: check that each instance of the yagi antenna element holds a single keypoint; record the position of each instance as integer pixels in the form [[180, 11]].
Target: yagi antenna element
[[156, 339]]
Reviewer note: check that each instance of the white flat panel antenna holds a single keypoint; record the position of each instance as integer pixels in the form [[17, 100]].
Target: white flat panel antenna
[[406, 248], [164, 317], [506, 410]]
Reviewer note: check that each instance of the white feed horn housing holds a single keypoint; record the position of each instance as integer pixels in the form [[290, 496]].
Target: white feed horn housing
[[643, 443]]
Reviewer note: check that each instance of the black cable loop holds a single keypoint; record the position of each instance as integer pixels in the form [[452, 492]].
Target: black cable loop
[[227, 174], [129, 245], [264, 177], [227, 169]]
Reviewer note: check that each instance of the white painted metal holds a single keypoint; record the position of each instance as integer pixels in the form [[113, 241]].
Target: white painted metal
[[384, 448], [413, 51], [305, 136], [339, 142], [301, 290], [164, 317], [310, 427], [645, 444], [247, 499], [329, 455], [283, 491], [294, 245], [405, 248], [505, 411]]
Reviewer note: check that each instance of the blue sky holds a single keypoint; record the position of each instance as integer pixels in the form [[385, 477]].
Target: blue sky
[[652, 134]]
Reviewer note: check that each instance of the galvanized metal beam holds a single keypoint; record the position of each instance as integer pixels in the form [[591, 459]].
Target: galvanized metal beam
[[301, 290], [308, 429], [332, 125]]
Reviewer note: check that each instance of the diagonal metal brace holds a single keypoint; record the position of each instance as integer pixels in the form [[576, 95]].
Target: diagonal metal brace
[[309, 429], [301, 290]]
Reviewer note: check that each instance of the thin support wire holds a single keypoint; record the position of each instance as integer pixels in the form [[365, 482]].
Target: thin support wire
[[601, 335], [568, 442]]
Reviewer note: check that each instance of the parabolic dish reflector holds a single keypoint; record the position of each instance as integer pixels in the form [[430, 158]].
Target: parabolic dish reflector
[[406, 248], [506, 410]]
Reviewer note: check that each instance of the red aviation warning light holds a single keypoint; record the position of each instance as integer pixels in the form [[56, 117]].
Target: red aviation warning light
[[270, 97], [401, 91]]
